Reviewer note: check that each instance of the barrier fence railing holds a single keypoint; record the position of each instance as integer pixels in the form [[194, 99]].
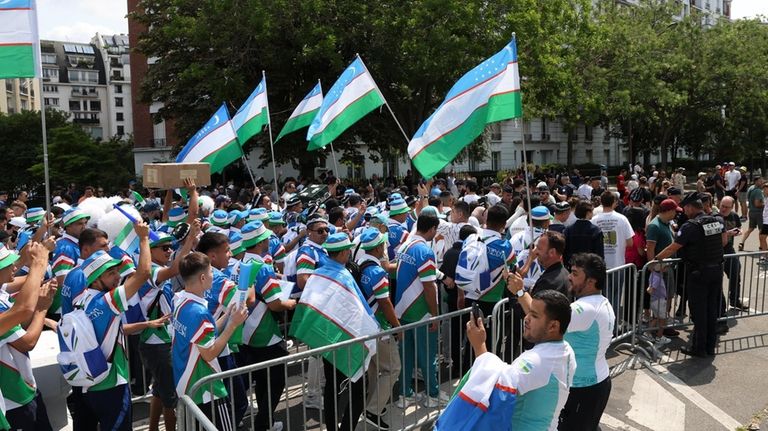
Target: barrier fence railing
[[438, 346], [307, 372]]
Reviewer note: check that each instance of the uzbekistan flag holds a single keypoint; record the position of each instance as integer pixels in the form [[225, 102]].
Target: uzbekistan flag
[[19, 40], [251, 118], [330, 312], [216, 143], [484, 400], [304, 113], [488, 93], [351, 98]]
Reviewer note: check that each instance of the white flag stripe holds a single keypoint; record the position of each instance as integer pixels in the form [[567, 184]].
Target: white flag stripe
[[307, 105], [257, 105], [456, 111], [214, 141], [16, 27], [359, 86]]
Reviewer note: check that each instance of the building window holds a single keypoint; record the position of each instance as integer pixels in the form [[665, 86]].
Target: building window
[[544, 136], [24, 104], [119, 102], [120, 130], [390, 167], [495, 129], [590, 159], [83, 76], [48, 58], [496, 160], [51, 88], [74, 105], [546, 156], [51, 101], [95, 105], [607, 157], [119, 116], [50, 73], [588, 133], [118, 89]]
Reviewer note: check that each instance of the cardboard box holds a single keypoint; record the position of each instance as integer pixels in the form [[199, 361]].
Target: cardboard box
[[172, 175]]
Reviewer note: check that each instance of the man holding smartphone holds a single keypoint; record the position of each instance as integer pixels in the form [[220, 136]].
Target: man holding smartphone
[[732, 267]]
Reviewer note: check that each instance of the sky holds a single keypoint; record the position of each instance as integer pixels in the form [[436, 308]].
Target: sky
[[79, 20]]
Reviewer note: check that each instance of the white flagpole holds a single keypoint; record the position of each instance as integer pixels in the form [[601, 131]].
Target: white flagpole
[[407, 139], [271, 143], [45, 151], [336, 172]]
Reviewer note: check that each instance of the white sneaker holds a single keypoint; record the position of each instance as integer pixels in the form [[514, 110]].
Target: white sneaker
[[277, 426], [313, 402], [661, 341], [404, 402], [432, 402]]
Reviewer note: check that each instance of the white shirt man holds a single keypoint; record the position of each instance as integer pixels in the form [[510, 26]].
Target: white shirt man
[[732, 177], [617, 232], [585, 191]]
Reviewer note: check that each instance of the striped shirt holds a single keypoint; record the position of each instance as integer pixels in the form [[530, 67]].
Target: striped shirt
[[416, 266]]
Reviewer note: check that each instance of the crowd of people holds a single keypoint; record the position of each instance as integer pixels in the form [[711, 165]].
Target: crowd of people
[[217, 269]]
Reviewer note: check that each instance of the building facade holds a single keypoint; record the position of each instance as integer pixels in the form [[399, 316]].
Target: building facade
[[20, 95], [152, 142], [115, 56]]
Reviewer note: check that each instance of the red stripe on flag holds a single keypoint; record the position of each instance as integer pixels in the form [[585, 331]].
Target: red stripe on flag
[[474, 403]]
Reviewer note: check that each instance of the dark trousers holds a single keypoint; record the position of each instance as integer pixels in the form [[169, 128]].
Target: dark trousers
[[343, 400], [218, 412], [732, 270], [106, 410], [705, 287], [235, 388], [268, 383], [457, 328], [584, 407], [30, 417]]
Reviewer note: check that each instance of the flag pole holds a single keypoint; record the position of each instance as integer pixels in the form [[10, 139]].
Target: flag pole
[[335, 166], [45, 151], [527, 186], [407, 139], [271, 142]]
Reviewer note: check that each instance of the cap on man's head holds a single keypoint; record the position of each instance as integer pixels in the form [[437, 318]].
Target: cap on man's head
[[595, 178], [398, 206], [259, 214], [659, 198], [176, 215], [97, 264], [220, 218], [540, 213], [371, 238], [674, 191], [7, 257], [691, 198], [150, 206], [542, 186], [275, 217], [667, 205], [562, 207], [34, 215], [72, 215], [731, 164], [636, 195], [253, 233], [316, 218], [292, 201], [337, 242], [236, 242]]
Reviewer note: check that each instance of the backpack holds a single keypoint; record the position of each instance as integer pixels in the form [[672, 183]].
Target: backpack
[[473, 270], [81, 359], [357, 270]]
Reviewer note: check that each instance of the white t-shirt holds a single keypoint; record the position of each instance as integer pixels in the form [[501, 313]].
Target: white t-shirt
[[616, 231], [589, 334], [732, 179], [492, 198], [470, 198], [585, 191]]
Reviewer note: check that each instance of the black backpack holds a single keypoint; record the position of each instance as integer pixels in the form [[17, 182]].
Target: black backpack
[[357, 270]]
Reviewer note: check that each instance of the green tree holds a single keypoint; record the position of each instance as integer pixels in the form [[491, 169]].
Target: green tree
[[214, 50]]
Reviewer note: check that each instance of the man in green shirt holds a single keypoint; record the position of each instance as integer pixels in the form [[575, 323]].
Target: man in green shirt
[[658, 236], [755, 205]]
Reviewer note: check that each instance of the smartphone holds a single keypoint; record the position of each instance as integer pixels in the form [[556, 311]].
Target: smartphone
[[477, 313]]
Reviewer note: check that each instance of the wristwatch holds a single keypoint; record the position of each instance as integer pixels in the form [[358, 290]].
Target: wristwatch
[[520, 293]]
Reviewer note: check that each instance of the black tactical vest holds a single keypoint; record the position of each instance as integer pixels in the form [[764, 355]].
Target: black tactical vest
[[710, 251]]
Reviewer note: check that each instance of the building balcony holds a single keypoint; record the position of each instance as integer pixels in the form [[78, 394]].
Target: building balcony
[[86, 118], [158, 143], [83, 93]]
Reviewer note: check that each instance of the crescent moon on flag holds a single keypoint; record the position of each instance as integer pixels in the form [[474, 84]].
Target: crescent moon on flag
[[216, 119]]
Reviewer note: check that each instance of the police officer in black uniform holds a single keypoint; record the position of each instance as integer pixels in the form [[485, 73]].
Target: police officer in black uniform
[[700, 244]]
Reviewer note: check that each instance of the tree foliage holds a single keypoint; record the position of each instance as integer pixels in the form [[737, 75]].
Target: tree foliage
[[657, 81]]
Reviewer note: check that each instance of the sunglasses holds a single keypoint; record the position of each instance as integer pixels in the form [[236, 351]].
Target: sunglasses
[[166, 247], [321, 231]]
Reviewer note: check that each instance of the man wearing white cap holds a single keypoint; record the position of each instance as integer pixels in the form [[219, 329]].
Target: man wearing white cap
[[522, 241], [67, 252], [385, 367], [108, 403]]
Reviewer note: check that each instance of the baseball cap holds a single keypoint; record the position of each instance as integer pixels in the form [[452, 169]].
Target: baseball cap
[[674, 191], [540, 213], [692, 197], [337, 242], [667, 205], [97, 264], [562, 207]]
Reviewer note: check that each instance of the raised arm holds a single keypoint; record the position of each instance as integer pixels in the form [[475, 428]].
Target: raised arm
[[145, 261], [26, 299]]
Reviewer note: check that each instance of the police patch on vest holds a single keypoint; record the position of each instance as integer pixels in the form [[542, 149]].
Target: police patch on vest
[[714, 228]]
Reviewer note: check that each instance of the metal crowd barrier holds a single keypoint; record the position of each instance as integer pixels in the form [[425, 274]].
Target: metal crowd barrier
[[448, 363], [743, 295]]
